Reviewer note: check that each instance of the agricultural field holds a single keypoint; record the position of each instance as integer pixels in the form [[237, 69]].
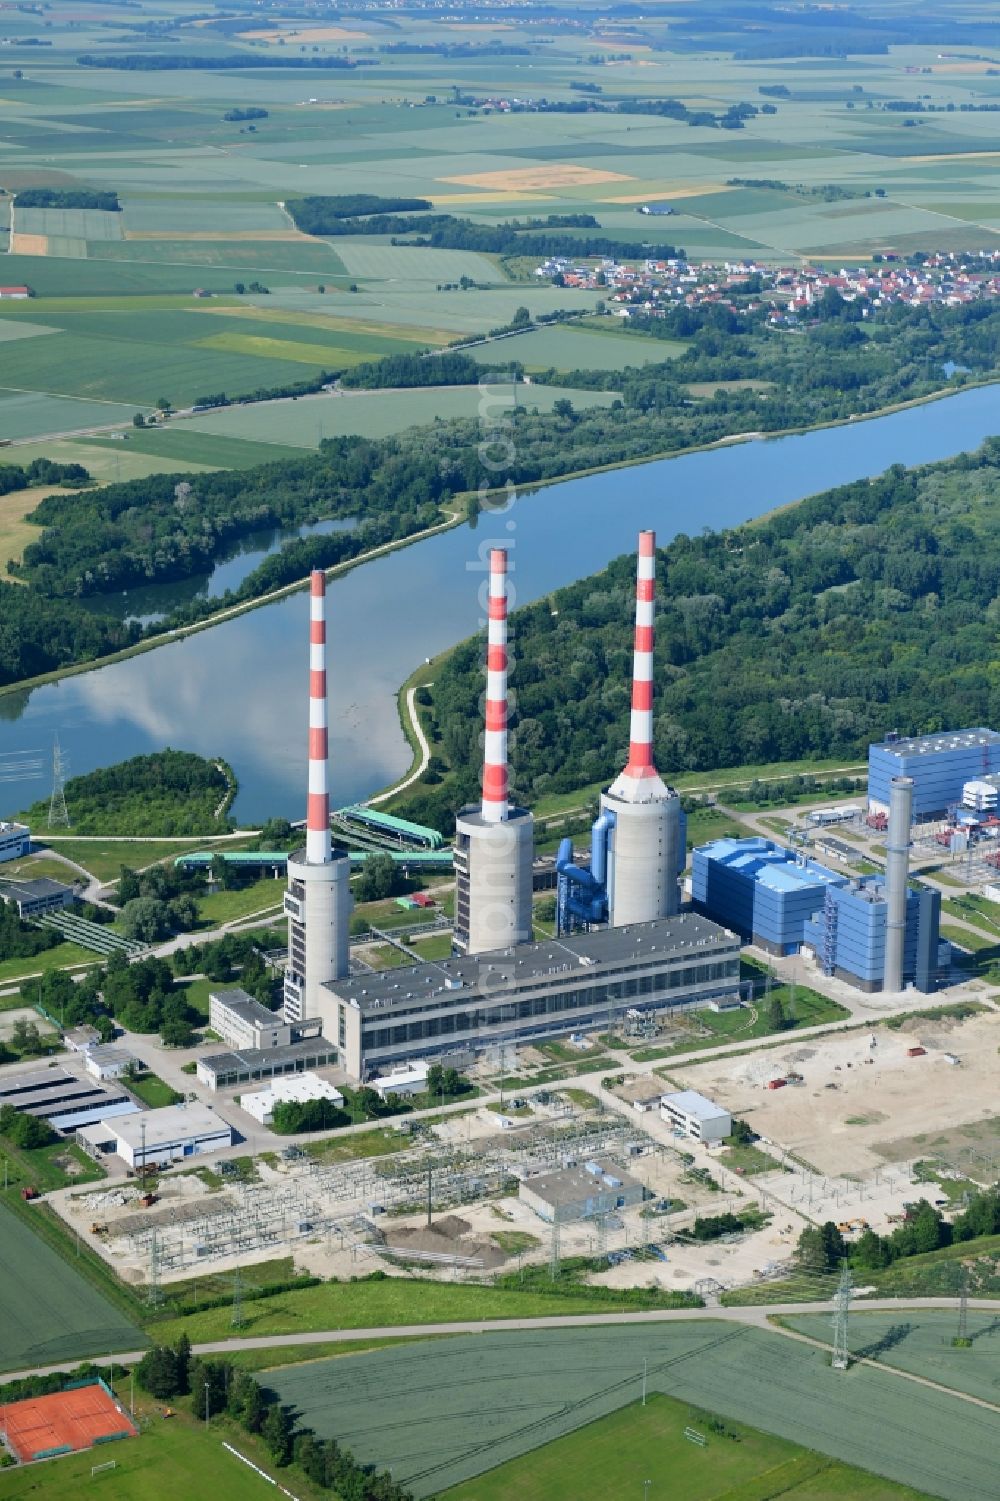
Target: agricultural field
[[441, 1414], [47, 1311], [578, 349]]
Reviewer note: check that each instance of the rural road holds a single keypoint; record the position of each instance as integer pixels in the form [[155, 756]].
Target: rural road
[[425, 750], [750, 1317]]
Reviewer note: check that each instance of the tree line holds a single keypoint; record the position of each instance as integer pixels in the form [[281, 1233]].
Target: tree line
[[162, 62], [314, 213], [100, 198], [870, 607], [42, 472]]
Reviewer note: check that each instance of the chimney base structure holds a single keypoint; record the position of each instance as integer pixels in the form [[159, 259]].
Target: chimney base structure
[[495, 842], [318, 900]]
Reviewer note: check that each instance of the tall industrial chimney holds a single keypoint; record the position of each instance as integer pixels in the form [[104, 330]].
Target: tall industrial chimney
[[897, 866], [494, 842], [645, 851], [318, 901]]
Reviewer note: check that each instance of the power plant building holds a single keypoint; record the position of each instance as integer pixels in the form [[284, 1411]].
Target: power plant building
[[940, 765], [318, 900], [848, 935], [580, 1193], [763, 891], [529, 991], [494, 840]]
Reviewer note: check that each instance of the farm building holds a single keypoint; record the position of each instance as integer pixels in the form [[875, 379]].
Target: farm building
[[940, 766], [15, 294], [848, 935], [15, 840], [696, 1116], [766, 892], [580, 1193], [33, 898], [168, 1135], [297, 1089]]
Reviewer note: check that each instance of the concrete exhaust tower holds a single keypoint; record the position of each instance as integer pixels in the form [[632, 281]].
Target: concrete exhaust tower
[[897, 866], [494, 842], [318, 901], [644, 856]]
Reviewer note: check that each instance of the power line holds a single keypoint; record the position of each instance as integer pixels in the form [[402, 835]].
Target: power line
[[58, 812]]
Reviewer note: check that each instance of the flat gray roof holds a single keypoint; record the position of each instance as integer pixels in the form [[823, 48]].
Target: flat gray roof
[[245, 1006], [667, 938], [696, 1105], [172, 1123], [572, 1183], [255, 1058], [40, 886]]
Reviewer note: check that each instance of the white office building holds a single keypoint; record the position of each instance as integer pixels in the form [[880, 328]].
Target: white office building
[[296, 1089], [694, 1116], [405, 1081]]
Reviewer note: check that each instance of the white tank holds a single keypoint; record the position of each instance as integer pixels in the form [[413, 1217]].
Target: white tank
[[318, 903], [493, 880], [643, 857]]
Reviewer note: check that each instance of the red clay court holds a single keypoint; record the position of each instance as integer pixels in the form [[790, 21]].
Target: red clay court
[[42, 1426]]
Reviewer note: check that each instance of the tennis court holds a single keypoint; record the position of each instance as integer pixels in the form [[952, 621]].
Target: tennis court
[[63, 1422]]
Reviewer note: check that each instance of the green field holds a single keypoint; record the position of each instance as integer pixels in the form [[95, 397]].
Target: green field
[[443, 1413], [47, 1311], [578, 349], [615, 1455]]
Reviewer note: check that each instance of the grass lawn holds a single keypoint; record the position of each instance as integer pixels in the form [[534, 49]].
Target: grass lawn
[[45, 1168], [369, 1305], [804, 1008], [104, 858], [227, 906], [171, 1459], [61, 955], [153, 1092], [196, 993], [377, 1143], [614, 1457], [748, 1160]]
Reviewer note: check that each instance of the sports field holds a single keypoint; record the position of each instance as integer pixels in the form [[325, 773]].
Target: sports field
[[444, 1412], [48, 1312], [616, 1455], [74, 1419]]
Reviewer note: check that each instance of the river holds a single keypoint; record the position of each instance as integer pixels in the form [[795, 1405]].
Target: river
[[239, 689]]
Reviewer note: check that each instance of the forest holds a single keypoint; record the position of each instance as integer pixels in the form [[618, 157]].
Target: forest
[[168, 792], [170, 526], [104, 199], [868, 608]]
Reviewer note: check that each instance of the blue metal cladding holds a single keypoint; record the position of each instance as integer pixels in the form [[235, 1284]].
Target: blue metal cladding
[[848, 932], [939, 764], [759, 889]]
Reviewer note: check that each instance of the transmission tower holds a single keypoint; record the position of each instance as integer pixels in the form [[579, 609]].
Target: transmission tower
[[58, 812], [155, 1295], [554, 1252], [601, 1225], [841, 1306], [963, 1309], [237, 1319]]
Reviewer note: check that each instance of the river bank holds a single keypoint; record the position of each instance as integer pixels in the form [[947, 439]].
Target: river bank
[[455, 518]]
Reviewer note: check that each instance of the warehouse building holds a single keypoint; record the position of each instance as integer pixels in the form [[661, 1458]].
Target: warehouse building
[[161, 1137], [848, 935], [105, 1062], [293, 1089], [62, 1100], [580, 1193], [35, 898], [940, 765], [15, 840], [760, 889], [530, 990], [257, 1065], [695, 1116], [402, 1082]]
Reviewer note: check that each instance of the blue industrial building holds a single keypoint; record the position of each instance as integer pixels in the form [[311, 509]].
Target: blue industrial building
[[848, 934], [940, 765], [760, 890]]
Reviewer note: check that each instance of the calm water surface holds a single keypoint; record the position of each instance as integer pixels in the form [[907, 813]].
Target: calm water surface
[[239, 690]]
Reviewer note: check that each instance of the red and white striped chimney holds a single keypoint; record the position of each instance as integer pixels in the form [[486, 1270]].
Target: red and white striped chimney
[[495, 803], [318, 813], [637, 780]]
